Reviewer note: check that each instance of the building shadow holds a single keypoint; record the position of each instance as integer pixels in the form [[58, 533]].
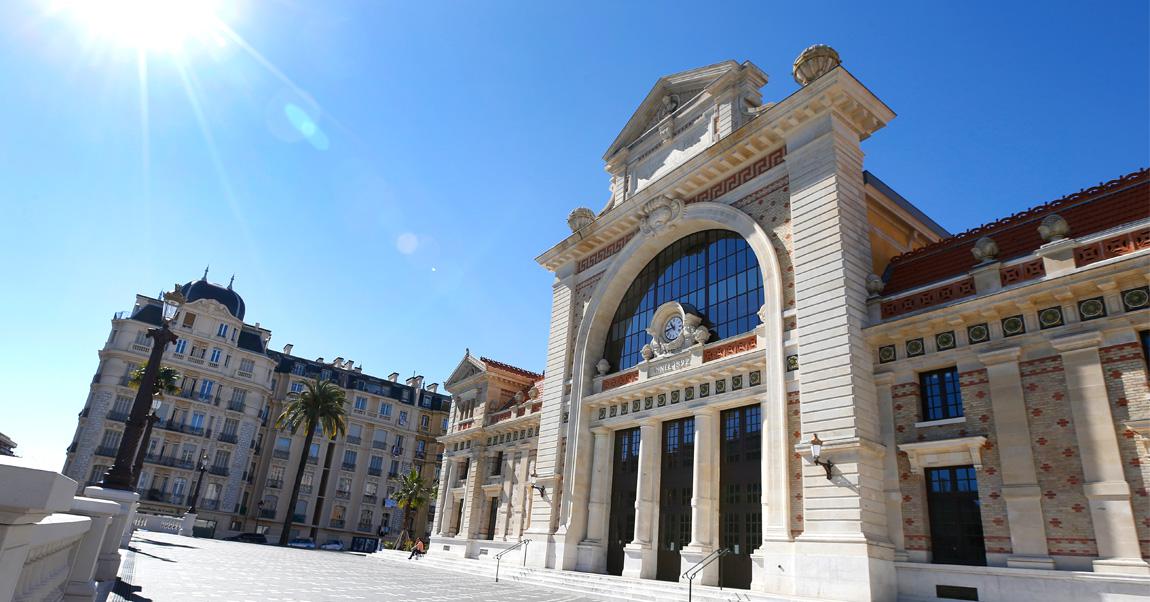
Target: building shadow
[[142, 553], [166, 544], [127, 591]]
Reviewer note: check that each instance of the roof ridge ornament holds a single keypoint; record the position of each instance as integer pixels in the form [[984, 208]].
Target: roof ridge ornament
[[814, 62], [205, 277]]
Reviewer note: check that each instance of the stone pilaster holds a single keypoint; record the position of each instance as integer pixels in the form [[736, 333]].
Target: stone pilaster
[[549, 461], [473, 496], [1106, 487], [592, 550], [891, 488], [704, 497], [1019, 480], [844, 517], [446, 478], [640, 556]]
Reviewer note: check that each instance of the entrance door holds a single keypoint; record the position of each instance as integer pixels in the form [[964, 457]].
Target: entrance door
[[624, 481], [675, 489], [741, 487], [955, 520], [492, 516]]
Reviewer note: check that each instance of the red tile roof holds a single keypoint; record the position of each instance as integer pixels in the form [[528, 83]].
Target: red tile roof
[[509, 368], [1119, 201]]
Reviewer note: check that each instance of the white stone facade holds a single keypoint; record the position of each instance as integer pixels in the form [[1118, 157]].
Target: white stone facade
[[704, 153]]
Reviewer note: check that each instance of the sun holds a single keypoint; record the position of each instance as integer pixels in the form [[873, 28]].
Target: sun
[[148, 25]]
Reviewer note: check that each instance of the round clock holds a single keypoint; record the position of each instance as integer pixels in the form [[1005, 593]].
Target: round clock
[[672, 328]]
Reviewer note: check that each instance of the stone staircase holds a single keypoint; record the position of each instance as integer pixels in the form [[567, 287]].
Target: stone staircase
[[590, 585]]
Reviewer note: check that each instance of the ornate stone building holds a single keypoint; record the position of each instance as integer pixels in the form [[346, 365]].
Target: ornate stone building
[[757, 346], [232, 388]]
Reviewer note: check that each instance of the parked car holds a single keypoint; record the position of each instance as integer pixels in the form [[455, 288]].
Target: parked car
[[248, 538], [334, 544], [306, 543]]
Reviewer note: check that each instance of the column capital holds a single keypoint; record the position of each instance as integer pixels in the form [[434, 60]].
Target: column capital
[[884, 378], [710, 411], [600, 431], [649, 422], [1000, 356], [1075, 342]]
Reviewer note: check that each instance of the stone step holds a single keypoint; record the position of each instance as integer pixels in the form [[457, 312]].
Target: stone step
[[594, 585]]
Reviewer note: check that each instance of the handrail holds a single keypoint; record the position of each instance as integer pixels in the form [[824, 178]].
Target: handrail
[[699, 566], [498, 557]]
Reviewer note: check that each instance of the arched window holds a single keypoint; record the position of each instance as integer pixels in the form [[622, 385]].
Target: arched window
[[715, 271]]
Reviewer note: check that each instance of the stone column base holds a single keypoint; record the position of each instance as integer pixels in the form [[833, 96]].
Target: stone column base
[[108, 565], [1030, 562], [692, 555], [640, 561], [1126, 566], [847, 569], [592, 558]]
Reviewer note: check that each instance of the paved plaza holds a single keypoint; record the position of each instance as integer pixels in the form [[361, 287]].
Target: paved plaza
[[171, 568]]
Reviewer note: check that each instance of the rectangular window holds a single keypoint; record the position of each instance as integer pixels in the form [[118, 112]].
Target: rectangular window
[[443, 425], [181, 346], [349, 457], [297, 387], [1145, 337], [370, 488], [360, 403], [215, 357], [376, 462], [223, 458], [399, 442], [955, 518], [941, 397], [424, 422], [421, 446], [385, 410], [394, 468], [247, 365], [344, 485], [239, 395], [297, 369], [283, 443], [197, 420], [403, 418], [222, 331], [379, 436], [313, 452], [496, 464], [355, 430], [111, 440], [189, 319], [206, 389]]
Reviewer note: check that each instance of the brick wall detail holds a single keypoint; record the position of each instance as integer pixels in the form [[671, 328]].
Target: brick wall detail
[[1126, 385]]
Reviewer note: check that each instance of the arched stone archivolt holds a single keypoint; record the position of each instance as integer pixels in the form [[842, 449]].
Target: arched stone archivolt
[[591, 337]]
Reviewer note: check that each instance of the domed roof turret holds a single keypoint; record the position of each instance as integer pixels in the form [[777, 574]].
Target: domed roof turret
[[202, 289]]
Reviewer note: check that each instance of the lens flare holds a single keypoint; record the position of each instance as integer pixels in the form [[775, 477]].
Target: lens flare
[[150, 25]]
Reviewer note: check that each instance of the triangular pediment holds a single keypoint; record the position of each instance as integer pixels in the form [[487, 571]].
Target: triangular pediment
[[667, 95], [469, 366]]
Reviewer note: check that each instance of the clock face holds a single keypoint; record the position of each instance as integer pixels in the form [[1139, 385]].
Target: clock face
[[673, 328]]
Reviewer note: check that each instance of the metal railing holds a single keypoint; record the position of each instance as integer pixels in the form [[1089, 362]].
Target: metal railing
[[698, 568], [228, 438], [498, 557]]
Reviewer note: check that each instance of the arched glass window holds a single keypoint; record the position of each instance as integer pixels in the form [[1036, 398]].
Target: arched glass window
[[715, 271]]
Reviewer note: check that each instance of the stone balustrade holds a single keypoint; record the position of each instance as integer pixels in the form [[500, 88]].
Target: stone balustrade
[[55, 545], [153, 522]]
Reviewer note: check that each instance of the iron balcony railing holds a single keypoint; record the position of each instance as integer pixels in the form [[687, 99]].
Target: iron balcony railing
[[365, 527], [210, 505], [342, 495], [305, 489], [276, 484], [268, 513], [229, 437], [348, 466], [219, 471], [282, 454], [298, 518], [107, 450], [379, 444], [374, 471], [236, 406], [369, 499], [354, 440], [335, 523], [118, 415]]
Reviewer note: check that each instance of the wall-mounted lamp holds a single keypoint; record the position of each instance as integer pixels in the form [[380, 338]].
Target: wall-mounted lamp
[[816, 451], [536, 486]]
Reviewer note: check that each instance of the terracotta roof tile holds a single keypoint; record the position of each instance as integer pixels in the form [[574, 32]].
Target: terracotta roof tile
[[1119, 201], [509, 368]]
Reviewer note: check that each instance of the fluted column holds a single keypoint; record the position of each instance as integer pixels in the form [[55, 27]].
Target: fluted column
[[640, 556], [1106, 487], [1019, 479], [600, 487]]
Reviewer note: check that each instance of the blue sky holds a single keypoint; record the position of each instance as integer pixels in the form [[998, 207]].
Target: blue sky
[[453, 141]]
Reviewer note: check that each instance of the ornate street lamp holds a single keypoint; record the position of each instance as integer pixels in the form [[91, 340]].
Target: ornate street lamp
[[142, 448], [120, 475], [816, 453], [199, 482]]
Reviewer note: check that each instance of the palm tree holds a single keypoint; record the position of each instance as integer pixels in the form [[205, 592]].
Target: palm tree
[[412, 494], [319, 406], [167, 380]]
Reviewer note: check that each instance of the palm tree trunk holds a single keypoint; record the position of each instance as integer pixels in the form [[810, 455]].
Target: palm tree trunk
[[286, 532]]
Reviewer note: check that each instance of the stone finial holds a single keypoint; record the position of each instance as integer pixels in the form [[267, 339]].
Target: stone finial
[[580, 218], [814, 62], [1053, 227], [602, 366], [702, 335], [874, 285], [647, 352], [985, 249]]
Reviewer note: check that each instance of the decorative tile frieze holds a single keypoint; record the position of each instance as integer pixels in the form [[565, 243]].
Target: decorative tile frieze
[[915, 347], [619, 380], [720, 386], [1115, 246], [604, 252], [704, 389], [978, 333], [675, 396], [755, 377], [944, 340], [792, 362], [741, 177], [1013, 326], [736, 382], [928, 298], [1136, 298], [1091, 309], [1021, 272], [688, 393], [730, 348], [1050, 317]]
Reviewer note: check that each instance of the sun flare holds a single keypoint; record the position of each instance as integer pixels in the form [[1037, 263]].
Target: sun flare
[[149, 25]]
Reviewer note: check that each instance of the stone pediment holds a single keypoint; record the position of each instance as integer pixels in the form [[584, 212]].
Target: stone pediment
[[469, 366], [669, 94]]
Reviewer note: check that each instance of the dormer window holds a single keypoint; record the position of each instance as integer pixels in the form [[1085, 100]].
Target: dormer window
[[189, 319], [223, 331]]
